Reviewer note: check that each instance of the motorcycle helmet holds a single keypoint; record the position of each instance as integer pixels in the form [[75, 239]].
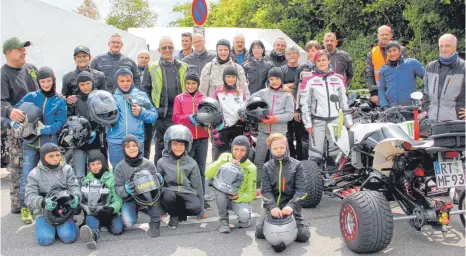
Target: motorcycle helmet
[[209, 112], [178, 133], [147, 188], [256, 107], [102, 108], [63, 211], [33, 115], [229, 178], [280, 232], [94, 196], [75, 133]]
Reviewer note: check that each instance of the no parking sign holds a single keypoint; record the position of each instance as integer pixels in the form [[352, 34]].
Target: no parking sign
[[199, 12]]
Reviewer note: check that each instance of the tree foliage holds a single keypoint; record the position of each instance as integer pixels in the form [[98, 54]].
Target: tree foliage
[[126, 14], [417, 24], [88, 9]]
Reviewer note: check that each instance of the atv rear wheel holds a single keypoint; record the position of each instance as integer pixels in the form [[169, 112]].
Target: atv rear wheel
[[314, 184], [461, 206], [366, 222]]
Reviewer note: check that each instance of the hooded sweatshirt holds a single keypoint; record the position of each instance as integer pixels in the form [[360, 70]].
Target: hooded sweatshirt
[[247, 191]]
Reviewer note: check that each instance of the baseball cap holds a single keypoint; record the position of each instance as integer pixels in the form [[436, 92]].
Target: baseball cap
[[83, 49], [14, 43]]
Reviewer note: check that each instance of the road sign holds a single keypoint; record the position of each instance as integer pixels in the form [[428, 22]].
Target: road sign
[[199, 12], [199, 30]]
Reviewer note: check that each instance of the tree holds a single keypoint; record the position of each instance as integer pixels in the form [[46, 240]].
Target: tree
[[126, 14], [88, 9]]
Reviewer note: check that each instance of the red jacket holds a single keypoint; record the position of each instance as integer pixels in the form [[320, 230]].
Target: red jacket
[[185, 105]]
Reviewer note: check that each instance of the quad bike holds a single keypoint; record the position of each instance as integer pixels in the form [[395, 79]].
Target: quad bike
[[400, 169]]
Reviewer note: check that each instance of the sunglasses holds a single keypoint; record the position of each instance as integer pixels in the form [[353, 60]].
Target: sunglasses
[[167, 47]]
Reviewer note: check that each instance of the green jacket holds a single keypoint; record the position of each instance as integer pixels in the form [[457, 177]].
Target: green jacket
[[247, 191], [116, 202]]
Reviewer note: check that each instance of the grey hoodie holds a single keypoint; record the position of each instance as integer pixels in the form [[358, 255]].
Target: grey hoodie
[[41, 179], [123, 172]]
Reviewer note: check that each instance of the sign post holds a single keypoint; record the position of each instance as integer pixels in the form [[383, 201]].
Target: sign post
[[199, 13]]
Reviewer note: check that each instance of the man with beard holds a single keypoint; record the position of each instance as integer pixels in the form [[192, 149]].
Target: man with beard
[[186, 44], [340, 60], [277, 55]]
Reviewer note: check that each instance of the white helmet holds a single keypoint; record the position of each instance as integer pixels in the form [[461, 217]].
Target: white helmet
[[280, 232]]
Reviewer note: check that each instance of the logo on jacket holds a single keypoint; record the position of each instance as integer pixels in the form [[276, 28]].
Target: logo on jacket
[[333, 79]]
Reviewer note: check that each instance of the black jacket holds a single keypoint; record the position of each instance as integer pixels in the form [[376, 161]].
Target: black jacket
[[256, 73], [283, 183], [70, 86], [276, 59]]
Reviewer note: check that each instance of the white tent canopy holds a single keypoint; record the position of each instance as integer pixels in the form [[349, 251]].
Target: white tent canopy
[[54, 33], [212, 35]]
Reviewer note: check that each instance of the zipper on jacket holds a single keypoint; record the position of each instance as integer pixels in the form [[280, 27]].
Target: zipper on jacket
[[280, 190], [195, 127], [328, 96], [126, 120], [271, 112], [43, 113], [396, 82], [178, 175]]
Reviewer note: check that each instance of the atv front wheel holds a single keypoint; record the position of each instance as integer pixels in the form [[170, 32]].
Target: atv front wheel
[[314, 184], [366, 222]]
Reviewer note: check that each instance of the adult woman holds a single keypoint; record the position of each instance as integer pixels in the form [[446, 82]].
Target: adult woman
[[257, 67]]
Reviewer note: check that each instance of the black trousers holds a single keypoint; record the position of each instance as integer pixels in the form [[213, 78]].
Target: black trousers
[[148, 134], [296, 131], [181, 204], [161, 125], [226, 136]]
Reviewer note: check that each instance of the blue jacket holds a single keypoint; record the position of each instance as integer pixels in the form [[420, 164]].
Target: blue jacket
[[397, 83], [127, 122], [53, 113]]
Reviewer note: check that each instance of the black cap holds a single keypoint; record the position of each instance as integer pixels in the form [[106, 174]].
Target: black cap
[[83, 49], [275, 72], [192, 75], [242, 141], [223, 42], [45, 149]]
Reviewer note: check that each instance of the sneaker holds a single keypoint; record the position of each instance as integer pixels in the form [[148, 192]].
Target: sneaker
[[165, 218], [209, 198], [15, 210], [258, 194], [205, 216], [244, 225], [224, 227], [173, 223], [206, 205], [88, 238], [154, 229], [26, 216]]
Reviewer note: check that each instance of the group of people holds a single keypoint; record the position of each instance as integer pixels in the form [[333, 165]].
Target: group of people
[[302, 99]]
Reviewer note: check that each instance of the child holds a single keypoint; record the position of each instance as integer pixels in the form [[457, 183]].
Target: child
[[283, 186], [79, 108], [239, 203], [183, 113], [230, 97], [317, 108], [182, 192], [51, 171], [134, 161], [281, 111], [134, 109], [53, 109], [109, 216]]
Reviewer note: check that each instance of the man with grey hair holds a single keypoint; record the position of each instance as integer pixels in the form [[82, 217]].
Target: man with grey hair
[[277, 55], [377, 58], [444, 84], [163, 81], [239, 53], [340, 60], [143, 60], [197, 60]]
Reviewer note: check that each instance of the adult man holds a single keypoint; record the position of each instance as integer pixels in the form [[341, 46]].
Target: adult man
[[82, 58], [17, 79], [377, 58], [186, 44], [197, 60], [398, 77], [340, 60], [277, 55], [212, 74], [444, 83], [239, 53], [112, 61], [295, 128], [143, 60], [163, 81]]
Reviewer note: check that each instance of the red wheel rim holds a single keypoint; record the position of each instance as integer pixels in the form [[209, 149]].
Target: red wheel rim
[[349, 223]]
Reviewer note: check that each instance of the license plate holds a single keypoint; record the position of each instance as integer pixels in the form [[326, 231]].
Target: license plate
[[449, 174]]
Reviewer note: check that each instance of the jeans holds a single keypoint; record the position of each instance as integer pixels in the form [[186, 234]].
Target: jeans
[[116, 153], [129, 213], [199, 154], [79, 163], [30, 160], [162, 124], [45, 232], [115, 226], [242, 210]]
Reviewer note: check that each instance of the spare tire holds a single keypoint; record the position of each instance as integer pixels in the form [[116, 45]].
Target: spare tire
[[314, 184], [448, 127]]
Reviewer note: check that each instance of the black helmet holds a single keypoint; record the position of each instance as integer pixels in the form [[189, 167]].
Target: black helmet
[[280, 232], [256, 107], [33, 114], [209, 112], [229, 178], [178, 133], [75, 133], [102, 107], [147, 187], [63, 211], [94, 196]]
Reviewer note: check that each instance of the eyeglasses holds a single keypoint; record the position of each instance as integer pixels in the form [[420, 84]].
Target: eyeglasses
[[167, 47], [116, 42]]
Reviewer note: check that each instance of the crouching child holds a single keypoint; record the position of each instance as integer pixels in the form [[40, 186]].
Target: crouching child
[[246, 193]]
